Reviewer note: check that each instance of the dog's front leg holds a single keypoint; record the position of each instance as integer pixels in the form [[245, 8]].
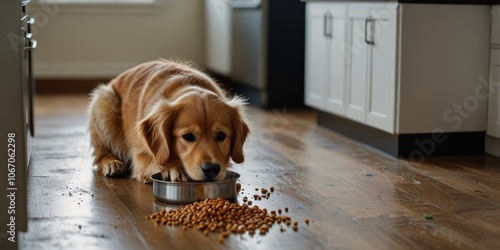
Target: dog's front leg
[[144, 166]]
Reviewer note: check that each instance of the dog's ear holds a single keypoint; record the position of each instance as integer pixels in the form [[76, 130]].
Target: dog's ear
[[240, 133], [155, 131]]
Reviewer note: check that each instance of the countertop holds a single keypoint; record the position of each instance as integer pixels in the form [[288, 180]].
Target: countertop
[[475, 2]]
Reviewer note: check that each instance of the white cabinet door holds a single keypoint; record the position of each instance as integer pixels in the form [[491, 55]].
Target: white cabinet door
[[494, 97], [325, 56], [371, 65], [381, 91], [336, 71], [317, 58], [357, 62]]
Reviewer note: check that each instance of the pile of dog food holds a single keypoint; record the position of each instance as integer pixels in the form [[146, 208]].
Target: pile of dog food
[[223, 217]]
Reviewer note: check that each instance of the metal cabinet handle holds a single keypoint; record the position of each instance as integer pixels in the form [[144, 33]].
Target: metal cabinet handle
[[368, 20], [327, 24], [30, 22], [31, 44]]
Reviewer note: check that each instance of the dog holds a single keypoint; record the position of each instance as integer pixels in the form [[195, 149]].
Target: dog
[[169, 117]]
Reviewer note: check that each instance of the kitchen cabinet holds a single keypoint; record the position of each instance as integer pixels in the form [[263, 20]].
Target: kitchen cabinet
[[493, 129], [398, 75], [325, 72], [494, 97], [371, 66], [347, 72]]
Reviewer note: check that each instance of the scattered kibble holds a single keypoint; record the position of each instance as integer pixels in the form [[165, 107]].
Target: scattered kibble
[[272, 189], [306, 221], [286, 209], [223, 217]]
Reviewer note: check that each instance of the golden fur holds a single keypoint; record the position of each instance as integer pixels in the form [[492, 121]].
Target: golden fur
[[168, 117]]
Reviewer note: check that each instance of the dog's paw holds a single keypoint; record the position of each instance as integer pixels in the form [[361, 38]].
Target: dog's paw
[[173, 175], [114, 168]]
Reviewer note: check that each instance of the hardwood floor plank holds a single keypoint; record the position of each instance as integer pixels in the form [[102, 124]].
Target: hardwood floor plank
[[355, 197]]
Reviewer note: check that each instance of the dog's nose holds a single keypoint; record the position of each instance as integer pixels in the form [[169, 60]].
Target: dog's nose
[[210, 170]]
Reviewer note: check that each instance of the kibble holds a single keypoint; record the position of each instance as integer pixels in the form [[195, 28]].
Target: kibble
[[306, 221], [222, 216]]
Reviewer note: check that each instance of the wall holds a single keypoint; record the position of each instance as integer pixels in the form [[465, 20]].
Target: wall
[[100, 41]]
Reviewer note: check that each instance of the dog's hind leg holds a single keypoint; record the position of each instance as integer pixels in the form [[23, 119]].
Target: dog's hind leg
[[106, 133]]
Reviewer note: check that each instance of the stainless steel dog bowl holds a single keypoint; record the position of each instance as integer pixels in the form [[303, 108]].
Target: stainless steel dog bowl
[[189, 192]]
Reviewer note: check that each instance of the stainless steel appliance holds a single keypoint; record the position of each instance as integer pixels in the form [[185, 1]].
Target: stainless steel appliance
[[16, 108], [267, 51]]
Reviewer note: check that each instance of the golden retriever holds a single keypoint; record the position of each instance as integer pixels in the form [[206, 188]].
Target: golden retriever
[[165, 116]]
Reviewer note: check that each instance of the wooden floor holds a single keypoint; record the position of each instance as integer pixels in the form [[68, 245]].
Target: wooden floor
[[354, 196]]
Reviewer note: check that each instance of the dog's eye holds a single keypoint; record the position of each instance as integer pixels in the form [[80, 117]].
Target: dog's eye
[[220, 136], [189, 137]]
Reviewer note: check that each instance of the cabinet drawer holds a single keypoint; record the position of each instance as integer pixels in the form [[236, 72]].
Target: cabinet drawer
[[495, 25]]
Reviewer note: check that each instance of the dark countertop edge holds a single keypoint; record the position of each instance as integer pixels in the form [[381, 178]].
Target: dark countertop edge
[[472, 2], [475, 2]]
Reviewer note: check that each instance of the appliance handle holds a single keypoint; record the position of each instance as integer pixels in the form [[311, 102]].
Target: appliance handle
[[244, 4], [327, 24]]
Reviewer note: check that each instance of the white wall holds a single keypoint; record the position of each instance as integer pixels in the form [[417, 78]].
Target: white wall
[[102, 41]]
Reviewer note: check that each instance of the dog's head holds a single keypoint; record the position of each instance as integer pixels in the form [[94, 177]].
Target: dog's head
[[197, 133]]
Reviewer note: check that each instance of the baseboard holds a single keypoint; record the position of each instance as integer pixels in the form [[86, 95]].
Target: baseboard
[[254, 96], [376, 138], [415, 146], [419, 146], [67, 86], [262, 98], [87, 70], [492, 145]]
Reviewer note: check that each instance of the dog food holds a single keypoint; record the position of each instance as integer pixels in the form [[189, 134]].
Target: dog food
[[221, 216]]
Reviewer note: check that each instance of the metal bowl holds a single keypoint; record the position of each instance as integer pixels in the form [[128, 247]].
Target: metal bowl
[[189, 192]]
